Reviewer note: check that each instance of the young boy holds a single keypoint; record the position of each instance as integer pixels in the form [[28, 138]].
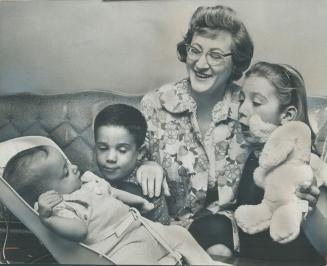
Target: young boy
[[119, 132], [86, 208]]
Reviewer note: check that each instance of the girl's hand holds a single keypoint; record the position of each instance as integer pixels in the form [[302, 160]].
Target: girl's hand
[[151, 177], [309, 192], [47, 201]]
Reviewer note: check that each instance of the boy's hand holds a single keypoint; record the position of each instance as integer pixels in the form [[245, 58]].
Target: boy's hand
[[151, 177], [147, 206], [47, 201]]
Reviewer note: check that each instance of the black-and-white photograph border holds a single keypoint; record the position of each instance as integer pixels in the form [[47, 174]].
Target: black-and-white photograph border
[[163, 132]]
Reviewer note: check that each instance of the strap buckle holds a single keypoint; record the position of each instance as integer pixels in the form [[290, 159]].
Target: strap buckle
[[135, 213], [133, 216]]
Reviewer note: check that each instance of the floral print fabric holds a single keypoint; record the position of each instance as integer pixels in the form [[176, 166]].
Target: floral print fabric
[[195, 163]]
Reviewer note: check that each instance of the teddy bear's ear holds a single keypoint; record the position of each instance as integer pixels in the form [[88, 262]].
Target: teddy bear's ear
[[289, 114]]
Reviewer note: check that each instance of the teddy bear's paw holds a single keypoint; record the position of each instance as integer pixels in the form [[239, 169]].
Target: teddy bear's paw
[[286, 238], [284, 230], [259, 176], [253, 218], [284, 234]]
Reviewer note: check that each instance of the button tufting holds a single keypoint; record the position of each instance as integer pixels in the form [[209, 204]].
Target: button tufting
[[66, 118]]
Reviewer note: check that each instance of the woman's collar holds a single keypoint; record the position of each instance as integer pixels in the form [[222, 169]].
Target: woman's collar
[[177, 99], [230, 103]]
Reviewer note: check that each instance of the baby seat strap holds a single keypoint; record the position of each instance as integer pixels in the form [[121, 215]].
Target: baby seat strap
[[161, 241], [125, 224], [236, 238]]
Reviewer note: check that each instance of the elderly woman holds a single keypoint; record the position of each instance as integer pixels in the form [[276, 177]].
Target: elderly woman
[[193, 128]]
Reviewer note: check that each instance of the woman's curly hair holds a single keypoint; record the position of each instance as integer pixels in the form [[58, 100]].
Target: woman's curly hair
[[210, 19]]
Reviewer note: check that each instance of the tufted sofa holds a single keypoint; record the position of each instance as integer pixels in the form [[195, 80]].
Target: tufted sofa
[[67, 119]]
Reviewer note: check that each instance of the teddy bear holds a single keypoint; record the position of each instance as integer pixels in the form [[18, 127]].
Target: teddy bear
[[283, 165]]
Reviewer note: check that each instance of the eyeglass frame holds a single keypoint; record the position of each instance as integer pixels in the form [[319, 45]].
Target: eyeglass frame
[[188, 46]]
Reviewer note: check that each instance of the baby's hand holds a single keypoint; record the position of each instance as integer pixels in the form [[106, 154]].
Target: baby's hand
[[47, 201], [147, 206], [182, 222]]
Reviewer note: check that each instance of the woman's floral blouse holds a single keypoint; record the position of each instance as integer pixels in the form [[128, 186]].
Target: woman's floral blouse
[[195, 163]]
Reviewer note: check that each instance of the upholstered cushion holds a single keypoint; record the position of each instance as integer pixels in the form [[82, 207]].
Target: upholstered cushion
[[68, 119], [65, 118]]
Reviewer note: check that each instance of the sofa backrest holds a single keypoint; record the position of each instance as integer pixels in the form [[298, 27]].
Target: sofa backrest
[[67, 119], [318, 119]]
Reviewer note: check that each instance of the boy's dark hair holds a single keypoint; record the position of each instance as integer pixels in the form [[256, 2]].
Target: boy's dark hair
[[17, 173], [122, 115]]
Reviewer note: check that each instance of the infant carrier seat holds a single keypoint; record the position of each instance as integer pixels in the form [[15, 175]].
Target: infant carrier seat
[[64, 251]]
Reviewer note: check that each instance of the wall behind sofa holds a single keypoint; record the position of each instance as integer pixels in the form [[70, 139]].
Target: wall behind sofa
[[129, 46]]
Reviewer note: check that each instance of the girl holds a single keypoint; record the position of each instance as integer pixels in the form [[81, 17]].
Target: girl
[[277, 94]]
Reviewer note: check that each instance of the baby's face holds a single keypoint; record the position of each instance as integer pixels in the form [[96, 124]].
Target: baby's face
[[116, 152], [258, 97], [61, 176]]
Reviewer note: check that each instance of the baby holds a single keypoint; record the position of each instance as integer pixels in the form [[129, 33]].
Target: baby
[[87, 209]]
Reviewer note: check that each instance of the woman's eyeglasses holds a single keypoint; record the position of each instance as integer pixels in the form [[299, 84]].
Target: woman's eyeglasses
[[213, 57]]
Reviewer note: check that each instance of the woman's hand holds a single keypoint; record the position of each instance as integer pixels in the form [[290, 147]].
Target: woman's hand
[[47, 201], [309, 192], [151, 177]]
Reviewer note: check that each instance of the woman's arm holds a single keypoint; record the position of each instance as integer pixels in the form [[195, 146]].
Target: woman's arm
[[316, 220], [315, 224], [150, 174], [70, 228]]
